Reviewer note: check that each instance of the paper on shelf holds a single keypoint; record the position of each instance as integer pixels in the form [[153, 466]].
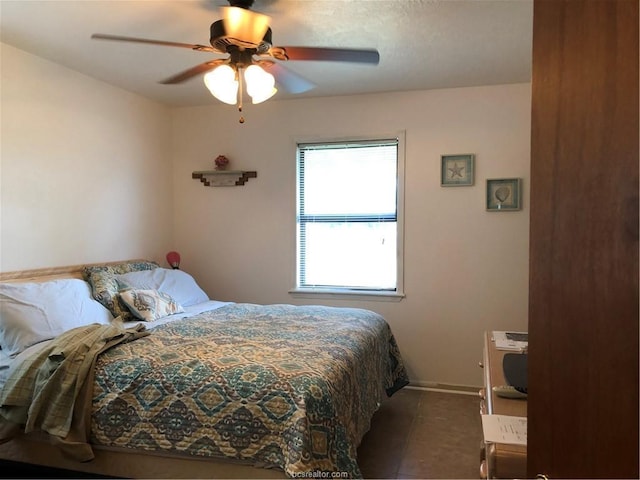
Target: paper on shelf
[[502, 342], [504, 429]]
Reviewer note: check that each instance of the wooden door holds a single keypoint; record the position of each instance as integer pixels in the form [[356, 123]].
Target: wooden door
[[583, 303]]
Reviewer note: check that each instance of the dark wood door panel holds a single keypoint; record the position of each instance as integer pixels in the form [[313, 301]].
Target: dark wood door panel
[[583, 313]]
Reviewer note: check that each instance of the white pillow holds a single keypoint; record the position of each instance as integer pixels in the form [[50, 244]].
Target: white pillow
[[35, 312], [149, 305], [178, 284]]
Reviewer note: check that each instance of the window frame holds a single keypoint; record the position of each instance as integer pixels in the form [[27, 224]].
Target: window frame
[[346, 292]]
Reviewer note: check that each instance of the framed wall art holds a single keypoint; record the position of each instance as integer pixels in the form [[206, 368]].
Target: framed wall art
[[504, 194], [457, 170]]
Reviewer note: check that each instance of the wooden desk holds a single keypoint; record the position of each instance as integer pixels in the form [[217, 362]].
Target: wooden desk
[[499, 460]]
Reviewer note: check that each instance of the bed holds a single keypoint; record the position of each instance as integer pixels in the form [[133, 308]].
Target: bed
[[190, 387]]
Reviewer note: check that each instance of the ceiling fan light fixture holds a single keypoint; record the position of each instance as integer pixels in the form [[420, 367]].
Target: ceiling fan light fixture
[[246, 27], [243, 34], [260, 84], [222, 83]]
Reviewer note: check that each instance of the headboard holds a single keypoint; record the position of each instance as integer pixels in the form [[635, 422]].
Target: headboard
[[52, 273]]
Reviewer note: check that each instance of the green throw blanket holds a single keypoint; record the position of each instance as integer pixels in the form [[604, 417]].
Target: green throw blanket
[[51, 390]]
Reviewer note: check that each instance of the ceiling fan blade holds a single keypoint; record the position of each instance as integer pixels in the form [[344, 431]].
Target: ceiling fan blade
[[332, 54], [193, 71], [104, 36], [246, 27], [290, 81]]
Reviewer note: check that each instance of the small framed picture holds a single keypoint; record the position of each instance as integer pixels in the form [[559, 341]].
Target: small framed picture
[[504, 194], [457, 170]]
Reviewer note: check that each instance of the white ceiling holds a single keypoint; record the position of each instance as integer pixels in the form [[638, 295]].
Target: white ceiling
[[423, 44]]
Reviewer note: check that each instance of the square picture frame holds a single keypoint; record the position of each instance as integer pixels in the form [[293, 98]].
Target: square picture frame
[[504, 194], [457, 170]]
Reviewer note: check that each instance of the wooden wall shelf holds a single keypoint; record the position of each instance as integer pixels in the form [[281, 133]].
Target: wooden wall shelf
[[223, 178]]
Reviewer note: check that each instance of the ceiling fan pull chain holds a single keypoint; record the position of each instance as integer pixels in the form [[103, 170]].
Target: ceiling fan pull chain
[[239, 72]]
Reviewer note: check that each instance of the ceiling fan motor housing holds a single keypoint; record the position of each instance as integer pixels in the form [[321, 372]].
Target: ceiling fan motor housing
[[241, 3], [221, 42]]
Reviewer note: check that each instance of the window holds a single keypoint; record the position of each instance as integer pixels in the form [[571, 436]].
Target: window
[[348, 218]]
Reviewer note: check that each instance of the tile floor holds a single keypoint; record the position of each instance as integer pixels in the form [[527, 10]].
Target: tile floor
[[423, 434]]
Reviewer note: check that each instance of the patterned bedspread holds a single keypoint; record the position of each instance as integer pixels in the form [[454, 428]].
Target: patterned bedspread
[[292, 387]]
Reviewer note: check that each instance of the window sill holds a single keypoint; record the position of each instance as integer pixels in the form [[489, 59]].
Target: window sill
[[326, 293]]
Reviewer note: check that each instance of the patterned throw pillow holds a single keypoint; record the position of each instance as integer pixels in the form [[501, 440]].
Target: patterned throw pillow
[[149, 305], [105, 287]]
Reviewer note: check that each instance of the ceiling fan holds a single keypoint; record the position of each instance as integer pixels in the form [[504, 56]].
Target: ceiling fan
[[245, 36]]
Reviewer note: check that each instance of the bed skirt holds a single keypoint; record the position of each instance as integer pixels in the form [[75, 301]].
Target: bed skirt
[[36, 450]]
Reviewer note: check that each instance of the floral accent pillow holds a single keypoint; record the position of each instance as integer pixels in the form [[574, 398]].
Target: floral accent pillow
[[149, 305], [104, 285]]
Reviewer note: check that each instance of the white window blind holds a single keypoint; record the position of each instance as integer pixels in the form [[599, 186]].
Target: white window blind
[[348, 215]]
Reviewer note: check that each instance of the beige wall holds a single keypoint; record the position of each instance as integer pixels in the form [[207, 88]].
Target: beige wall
[[85, 168], [466, 270], [91, 173]]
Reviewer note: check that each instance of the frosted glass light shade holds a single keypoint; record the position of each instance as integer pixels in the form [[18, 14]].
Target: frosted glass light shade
[[260, 84], [222, 83]]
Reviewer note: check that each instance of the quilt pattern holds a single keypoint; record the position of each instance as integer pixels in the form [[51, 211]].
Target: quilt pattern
[[290, 387]]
